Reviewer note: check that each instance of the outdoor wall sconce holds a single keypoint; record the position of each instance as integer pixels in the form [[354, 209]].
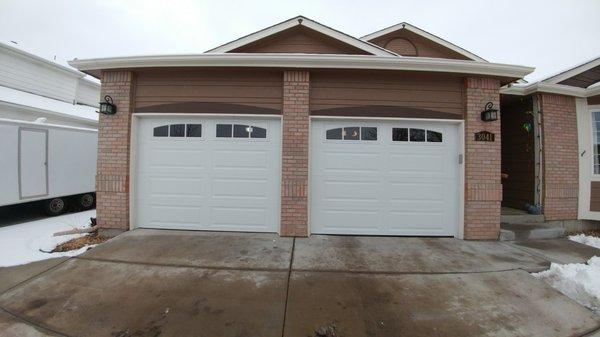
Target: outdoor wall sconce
[[107, 107], [489, 114]]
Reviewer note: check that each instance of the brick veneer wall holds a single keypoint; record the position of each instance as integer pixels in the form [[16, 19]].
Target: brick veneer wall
[[483, 187], [112, 177], [294, 170], [560, 156]]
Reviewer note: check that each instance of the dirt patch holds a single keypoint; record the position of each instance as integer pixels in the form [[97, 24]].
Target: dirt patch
[[74, 244], [328, 330]]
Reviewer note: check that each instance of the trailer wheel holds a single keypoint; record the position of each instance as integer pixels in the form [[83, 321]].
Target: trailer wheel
[[55, 206], [86, 201]]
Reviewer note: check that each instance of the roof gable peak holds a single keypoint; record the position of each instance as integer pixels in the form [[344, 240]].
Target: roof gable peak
[[424, 34], [307, 23]]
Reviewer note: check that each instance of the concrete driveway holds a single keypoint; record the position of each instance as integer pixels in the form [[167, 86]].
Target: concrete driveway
[[177, 283]]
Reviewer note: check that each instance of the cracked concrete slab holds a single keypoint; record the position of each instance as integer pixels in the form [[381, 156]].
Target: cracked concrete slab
[[198, 249], [93, 298], [11, 276], [409, 255], [484, 304], [558, 250]]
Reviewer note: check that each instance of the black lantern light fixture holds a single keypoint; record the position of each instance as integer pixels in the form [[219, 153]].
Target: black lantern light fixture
[[107, 107], [489, 114]]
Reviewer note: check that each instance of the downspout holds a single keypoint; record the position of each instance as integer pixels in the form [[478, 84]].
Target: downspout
[[539, 151]]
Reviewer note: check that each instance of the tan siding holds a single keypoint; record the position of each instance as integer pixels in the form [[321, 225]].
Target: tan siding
[[584, 79], [299, 40], [595, 196], [424, 47], [421, 92], [235, 87]]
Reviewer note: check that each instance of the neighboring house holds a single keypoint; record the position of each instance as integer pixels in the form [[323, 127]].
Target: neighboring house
[[299, 129], [557, 164], [32, 87], [48, 132]]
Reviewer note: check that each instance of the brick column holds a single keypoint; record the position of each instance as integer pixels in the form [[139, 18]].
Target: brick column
[[483, 187], [294, 166], [559, 156], [112, 177]]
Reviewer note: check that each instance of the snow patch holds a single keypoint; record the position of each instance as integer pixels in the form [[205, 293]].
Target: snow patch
[[20, 244], [586, 240], [579, 281]]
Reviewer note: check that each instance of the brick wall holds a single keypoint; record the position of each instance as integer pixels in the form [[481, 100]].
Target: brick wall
[[294, 170], [483, 187], [560, 156], [112, 177]]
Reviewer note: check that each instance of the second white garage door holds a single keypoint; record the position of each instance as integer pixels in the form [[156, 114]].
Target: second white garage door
[[207, 174], [384, 177]]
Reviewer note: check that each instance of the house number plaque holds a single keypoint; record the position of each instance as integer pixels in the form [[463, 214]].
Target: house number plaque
[[484, 136]]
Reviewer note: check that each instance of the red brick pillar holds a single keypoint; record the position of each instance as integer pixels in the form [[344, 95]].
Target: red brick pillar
[[559, 156], [483, 186], [112, 177], [294, 166]]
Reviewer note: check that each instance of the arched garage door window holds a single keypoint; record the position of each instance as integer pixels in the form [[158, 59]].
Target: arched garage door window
[[178, 130]]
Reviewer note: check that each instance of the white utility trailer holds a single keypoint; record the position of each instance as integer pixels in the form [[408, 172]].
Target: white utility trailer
[[51, 164]]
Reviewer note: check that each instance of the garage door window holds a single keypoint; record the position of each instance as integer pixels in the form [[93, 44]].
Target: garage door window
[[416, 135], [352, 133], [240, 131], [178, 130]]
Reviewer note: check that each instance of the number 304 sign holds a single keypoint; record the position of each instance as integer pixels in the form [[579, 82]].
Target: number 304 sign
[[484, 136]]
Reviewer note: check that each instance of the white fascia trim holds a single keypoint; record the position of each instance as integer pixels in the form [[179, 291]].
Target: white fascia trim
[[187, 114], [42, 61], [50, 113], [304, 61], [523, 90], [429, 36], [301, 21], [58, 126], [563, 75]]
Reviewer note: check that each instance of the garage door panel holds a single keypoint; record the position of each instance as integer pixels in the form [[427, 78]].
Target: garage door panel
[[240, 159], [415, 190], [239, 218], [207, 182], [348, 162], [169, 158]]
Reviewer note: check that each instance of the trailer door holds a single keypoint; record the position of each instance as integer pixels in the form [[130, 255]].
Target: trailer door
[[33, 163]]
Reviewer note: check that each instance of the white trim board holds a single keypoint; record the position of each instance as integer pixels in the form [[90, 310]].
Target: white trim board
[[566, 74], [523, 90], [303, 61], [427, 35], [308, 23]]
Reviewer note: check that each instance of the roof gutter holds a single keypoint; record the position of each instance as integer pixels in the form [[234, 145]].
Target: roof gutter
[[523, 90], [93, 66]]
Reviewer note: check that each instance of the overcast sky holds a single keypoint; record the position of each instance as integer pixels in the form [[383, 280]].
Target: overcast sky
[[550, 35]]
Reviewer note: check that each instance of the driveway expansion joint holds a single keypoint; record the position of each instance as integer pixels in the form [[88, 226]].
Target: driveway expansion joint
[[31, 278], [34, 324]]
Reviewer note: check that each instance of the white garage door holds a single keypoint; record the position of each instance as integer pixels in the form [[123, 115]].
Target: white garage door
[[384, 177], [208, 174]]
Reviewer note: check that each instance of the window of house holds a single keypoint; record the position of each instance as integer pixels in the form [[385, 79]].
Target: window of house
[[352, 133], [178, 130], [193, 130], [434, 136], [161, 131], [416, 135], [596, 141], [400, 134], [240, 131]]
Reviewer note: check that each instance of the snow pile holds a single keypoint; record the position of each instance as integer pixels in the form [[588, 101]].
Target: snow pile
[[579, 281], [586, 240], [20, 244]]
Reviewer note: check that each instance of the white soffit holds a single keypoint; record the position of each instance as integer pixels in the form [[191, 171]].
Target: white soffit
[[429, 36]]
